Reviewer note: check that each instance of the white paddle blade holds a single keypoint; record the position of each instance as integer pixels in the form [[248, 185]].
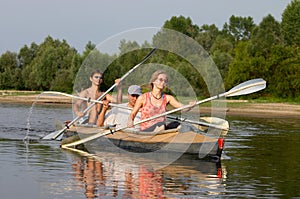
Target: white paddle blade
[[50, 135], [247, 87]]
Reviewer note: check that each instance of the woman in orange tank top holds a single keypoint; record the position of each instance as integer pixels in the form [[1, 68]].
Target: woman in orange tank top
[[153, 103]]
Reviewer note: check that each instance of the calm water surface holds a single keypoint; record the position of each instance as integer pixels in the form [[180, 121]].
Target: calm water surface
[[261, 160]]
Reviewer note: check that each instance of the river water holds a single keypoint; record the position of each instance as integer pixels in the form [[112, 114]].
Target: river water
[[261, 160]]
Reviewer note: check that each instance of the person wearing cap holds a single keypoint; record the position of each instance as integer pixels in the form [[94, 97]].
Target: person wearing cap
[[119, 116]]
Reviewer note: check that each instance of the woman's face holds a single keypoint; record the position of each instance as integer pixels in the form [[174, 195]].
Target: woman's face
[[161, 81]]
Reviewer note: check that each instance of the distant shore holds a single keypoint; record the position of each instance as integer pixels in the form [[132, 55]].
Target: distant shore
[[260, 110], [30, 98], [234, 108]]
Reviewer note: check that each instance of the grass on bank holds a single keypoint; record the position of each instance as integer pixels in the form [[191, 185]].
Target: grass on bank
[[18, 93]]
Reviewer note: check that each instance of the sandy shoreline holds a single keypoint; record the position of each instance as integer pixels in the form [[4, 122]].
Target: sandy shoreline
[[260, 110], [29, 99], [238, 108]]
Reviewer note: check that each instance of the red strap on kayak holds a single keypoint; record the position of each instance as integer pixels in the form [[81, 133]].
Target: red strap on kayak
[[221, 143]]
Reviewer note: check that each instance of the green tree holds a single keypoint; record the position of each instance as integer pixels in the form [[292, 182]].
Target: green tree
[[79, 59], [207, 36], [25, 57], [284, 71], [62, 82], [8, 67], [240, 68], [88, 48], [183, 25], [221, 52], [74, 67], [52, 56], [264, 36], [27, 54], [290, 24], [239, 28], [126, 46]]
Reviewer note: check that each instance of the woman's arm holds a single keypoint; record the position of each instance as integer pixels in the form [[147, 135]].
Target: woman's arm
[[173, 102], [177, 104]]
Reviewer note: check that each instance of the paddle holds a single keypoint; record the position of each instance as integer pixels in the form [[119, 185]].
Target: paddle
[[216, 126], [247, 87], [56, 134], [128, 108]]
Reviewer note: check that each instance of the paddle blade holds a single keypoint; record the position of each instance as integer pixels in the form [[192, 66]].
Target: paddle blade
[[50, 135], [247, 87], [54, 135]]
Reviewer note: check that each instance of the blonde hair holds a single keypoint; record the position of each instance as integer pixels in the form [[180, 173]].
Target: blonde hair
[[155, 76]]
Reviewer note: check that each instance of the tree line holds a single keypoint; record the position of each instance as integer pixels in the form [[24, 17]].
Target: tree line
[[241, 50]]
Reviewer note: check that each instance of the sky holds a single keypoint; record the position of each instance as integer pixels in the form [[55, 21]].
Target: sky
[[79, 21]]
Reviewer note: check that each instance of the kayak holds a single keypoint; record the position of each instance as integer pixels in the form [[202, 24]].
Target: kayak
[[185, 139]]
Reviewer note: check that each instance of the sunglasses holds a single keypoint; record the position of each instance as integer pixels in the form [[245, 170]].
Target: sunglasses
[[163, 80], [98, 77], [134, 95]]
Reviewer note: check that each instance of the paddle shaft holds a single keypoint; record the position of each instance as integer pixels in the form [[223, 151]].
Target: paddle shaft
[[102, 96], [216, 126]]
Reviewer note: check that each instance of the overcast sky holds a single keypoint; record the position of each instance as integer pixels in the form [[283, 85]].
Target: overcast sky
[[79, 21]]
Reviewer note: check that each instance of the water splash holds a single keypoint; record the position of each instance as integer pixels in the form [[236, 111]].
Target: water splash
[[28, 126]]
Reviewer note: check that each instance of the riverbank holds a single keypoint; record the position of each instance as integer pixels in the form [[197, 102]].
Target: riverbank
[[234, 107], [31, 98], [260, 110]]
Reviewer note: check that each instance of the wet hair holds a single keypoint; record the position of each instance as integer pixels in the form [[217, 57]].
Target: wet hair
[[155, 76], [95, 72]]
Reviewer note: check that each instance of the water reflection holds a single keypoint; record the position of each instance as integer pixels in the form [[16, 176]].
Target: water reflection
[[115, 175], [265, 157], [264, 162]]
